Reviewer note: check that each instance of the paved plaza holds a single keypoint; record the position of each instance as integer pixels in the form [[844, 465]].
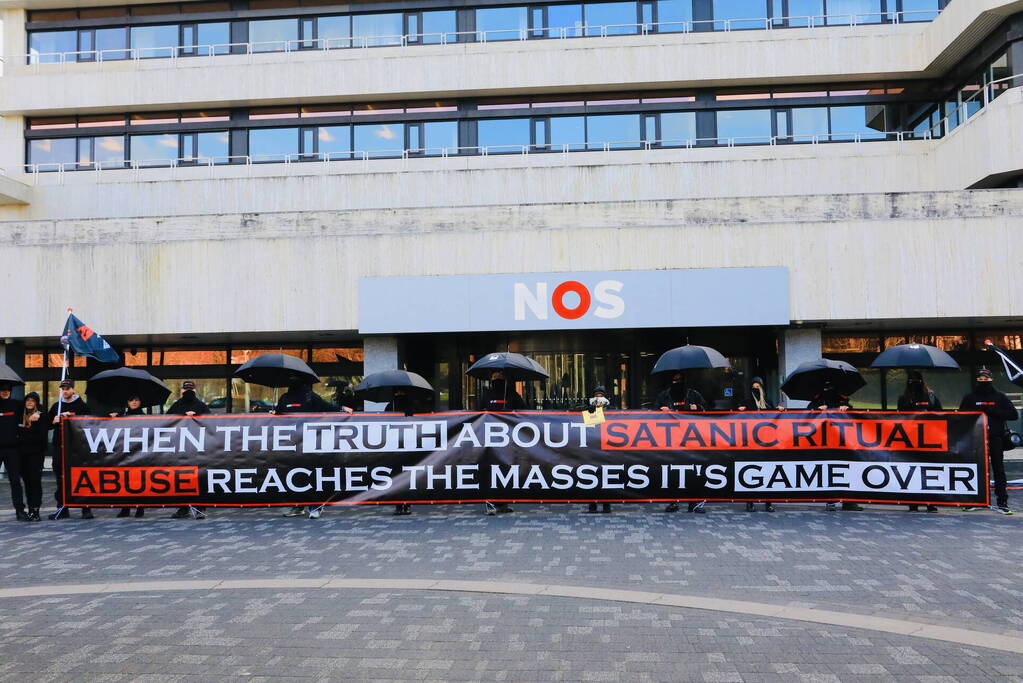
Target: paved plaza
[[546, 593]]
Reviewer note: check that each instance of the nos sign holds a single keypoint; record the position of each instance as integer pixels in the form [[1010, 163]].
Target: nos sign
[[560, 301]]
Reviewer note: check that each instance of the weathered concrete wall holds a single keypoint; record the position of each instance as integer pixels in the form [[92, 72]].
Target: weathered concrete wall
[[861, 257]]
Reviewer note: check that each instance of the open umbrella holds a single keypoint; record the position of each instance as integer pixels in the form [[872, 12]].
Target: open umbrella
[[276, 370], [914, 356], [809, 378], [379, 386], [115, 387], [515, 366], [9, 376], [689, 358]]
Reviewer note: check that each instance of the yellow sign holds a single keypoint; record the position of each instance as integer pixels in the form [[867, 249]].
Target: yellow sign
[[593, 419]]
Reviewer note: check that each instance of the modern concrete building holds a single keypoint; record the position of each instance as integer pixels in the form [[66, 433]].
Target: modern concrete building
[[419, 182]]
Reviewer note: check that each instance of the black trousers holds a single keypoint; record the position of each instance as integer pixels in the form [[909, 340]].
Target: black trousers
[[997, 457], [32, 478], [58, 474], [12, 462]]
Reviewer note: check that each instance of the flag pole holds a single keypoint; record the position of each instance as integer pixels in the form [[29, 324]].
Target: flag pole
[[65, 342]]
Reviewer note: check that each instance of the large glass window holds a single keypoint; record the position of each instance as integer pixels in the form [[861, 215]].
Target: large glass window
[[566, 132], [272, 144], [440, 136], [111, 43], [204, 39], [860, 122], [334, 142], [380, 141], [154, 41], [565, 20], [843, 12], [919, 10], [611, 18], [273, 35], [439, 27], [334, 32], [678, 129], [618, 131], [46, 47], [809, 122], [501, 23], [108, 151], [745, 126], [502, 136], [215, 146], [673, 16], [52, 153], [805, 13], [377, 29], [734, 15], [154, 150]]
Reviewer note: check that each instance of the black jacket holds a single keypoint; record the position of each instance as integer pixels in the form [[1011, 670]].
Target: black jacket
[[32, 439], [10, 417], [994, 404], [919, 404], [78, 407], [678, 399], [130, 411], [494, 398], [303, 401], [188, 402], [830, 398]]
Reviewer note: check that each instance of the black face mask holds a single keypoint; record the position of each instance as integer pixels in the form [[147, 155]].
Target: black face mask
[[984, 387]]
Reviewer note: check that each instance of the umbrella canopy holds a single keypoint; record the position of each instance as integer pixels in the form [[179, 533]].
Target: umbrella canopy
[[914, 356], [809, 378], [514, 365], [8, 376], [276, 370], [380, 386], [115, 387], [689, 358]]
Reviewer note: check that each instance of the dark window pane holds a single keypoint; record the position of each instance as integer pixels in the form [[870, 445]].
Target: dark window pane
[[334, 32], [52, 153], [272, 144], [213, 145], [439, 27], [810, 122], [215, 36], [273, 35], [614, 18], [501, 23], [45, 47], [567, 132], [673, 15], [565, 20], [335, 142], [735, 15], [502, 136], [154, 41], [379, 140], [440, 136], [377, 29], [747, 126], [678, 129], [110, 43], [620, 131], [154, 150]]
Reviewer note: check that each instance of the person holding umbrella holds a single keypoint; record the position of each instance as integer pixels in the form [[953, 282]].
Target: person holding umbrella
[[999, 409], [189, 405], [918, 398], [32, 452], [678, 398], [830, 398], [10, 417], [68, 404], [403, 403], [133, 406], [498, 396]]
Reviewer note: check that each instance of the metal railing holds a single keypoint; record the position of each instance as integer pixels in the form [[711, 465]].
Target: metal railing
[[300, 45], [973, 105]]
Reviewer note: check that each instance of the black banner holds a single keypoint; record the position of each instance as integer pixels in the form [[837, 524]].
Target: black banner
[[233, 460]]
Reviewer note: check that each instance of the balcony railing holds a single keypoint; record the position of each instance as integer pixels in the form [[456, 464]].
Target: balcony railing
[[215, 52]]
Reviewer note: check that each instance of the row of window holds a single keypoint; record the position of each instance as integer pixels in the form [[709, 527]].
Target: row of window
[[435, 138], [443, 26]]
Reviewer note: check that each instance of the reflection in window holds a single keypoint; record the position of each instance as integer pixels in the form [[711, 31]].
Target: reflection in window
[[108, 151], [566, 132], [188, 357], [272, 144], [503, 136], [334, 32], [242, 356], [440, 136], [919, 10], [616, 18], [45, 47], [862, 122], [334, 142], [377, 29], [844, 12], [501, 23], [673, 15], [850, 343], [620, 131], [808, 122], [439, 27], [739, 14], [565, 20], [154, 41], [52, 153], [111, 43], [213, 146], [747, 126], [380, 140], [154, 150], [214, 37], [806, 13], [273, 35], [678, 129]]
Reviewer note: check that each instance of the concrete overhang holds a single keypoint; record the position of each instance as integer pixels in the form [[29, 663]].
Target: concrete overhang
[[14, 191]]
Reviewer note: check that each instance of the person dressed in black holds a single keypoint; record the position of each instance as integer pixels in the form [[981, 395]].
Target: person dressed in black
[[918, 398], [68, 404], [999, 409], [498, 397], [300, 398], [830, 398], [600, 400], [756, 400], [188, 405], [32, 452], [678, 398], [401, 402], [133, 407], [10, 418]]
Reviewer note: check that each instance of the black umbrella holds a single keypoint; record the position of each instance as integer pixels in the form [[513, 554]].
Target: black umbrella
[[115, 387], [380, 386], [914, 356], [808, 380], [8, 376], [515, 366], [276, 370], [689, 358]]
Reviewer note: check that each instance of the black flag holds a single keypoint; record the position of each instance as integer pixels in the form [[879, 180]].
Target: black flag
[[1013, 371]]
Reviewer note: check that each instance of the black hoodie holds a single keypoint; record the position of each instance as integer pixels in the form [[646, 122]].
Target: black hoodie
[[188, 402], [10, 418], [77, 406], [829, 398], [494, 398], [986, 399], [32, 439], [303, 400], [678, 399], [130, 411]]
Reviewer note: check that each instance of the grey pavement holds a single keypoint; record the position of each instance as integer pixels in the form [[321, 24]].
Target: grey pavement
[[953, 569]]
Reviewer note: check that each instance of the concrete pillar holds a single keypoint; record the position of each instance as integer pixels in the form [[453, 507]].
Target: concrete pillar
[[796, 346], [379, 354], [15, 40]]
